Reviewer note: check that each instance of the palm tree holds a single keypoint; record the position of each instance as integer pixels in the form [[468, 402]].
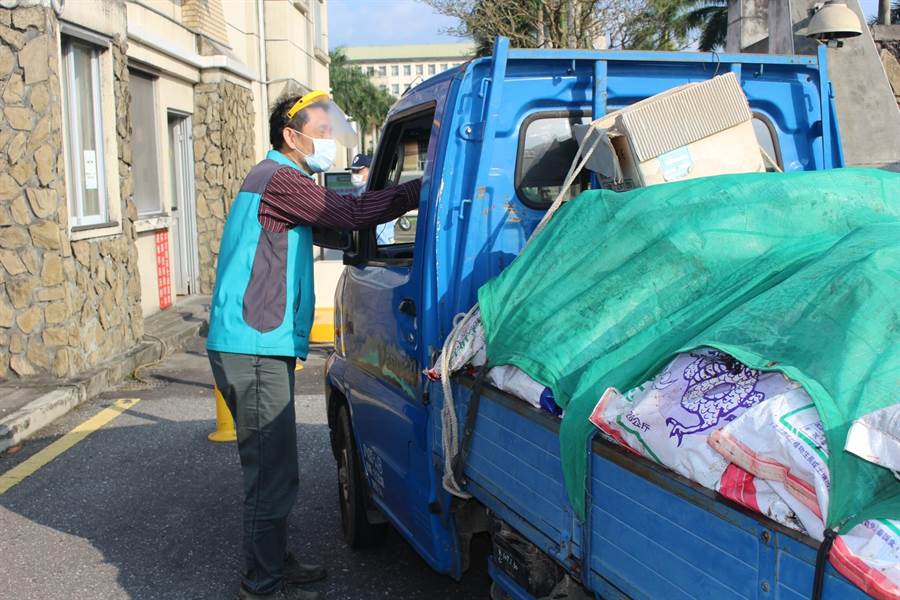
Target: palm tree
[[362, 100], [673, 25], [709, 18]]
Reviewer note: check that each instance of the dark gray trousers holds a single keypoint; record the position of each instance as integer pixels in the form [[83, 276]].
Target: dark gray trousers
[[259, 391]]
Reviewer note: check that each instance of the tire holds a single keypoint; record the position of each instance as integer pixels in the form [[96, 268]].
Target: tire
[[497, 593], [357, 530]]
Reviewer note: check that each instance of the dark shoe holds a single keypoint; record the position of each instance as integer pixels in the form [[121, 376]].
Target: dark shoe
[[298, 573], [287, 592]]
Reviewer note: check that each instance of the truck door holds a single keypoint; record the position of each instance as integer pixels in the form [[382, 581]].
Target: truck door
[[381, 337]]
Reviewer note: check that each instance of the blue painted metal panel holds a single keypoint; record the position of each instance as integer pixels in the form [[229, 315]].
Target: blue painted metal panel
[[655, 534]]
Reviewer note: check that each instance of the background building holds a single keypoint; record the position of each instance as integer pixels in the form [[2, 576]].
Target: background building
[[395, 68], [127, 129]]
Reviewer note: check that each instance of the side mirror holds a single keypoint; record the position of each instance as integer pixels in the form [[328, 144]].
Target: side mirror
[[334, 239]]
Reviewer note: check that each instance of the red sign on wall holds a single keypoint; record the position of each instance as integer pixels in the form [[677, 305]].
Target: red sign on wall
[[163, 273]]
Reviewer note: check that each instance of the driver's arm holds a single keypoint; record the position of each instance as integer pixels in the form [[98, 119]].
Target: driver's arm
[[291, 198]]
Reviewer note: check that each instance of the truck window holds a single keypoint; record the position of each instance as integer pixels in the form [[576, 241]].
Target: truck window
[[768, 139], [546, 150], [404, 154]]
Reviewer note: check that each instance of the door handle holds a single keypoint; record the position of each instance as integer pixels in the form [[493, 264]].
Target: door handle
[[408, 307]]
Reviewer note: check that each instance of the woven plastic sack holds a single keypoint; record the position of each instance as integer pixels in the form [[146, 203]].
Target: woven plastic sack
[[876, 438], [766, 498], [670, 418], [514, 381], [869, 556], [782, 440]]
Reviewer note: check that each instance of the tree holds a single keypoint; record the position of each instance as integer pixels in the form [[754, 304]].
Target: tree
[[674, 24], [631, 24], [362, 100], [538, 23], [710, 18]]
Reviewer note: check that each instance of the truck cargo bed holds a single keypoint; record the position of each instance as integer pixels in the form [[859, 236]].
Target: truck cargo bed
[[650, 533]]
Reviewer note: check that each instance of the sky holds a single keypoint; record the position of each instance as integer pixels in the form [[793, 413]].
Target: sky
[[380, 22]]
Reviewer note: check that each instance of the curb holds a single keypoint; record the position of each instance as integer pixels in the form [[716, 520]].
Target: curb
[[46, 408]]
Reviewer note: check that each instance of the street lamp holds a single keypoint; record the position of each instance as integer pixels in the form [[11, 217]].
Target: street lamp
[[832, 22]]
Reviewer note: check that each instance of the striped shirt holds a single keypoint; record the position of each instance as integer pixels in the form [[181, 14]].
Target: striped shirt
[[291, 198]]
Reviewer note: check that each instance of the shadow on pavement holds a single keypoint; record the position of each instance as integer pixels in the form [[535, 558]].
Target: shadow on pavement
[[161, 505]]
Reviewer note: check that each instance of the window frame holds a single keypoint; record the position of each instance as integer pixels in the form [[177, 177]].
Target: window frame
[[395, 70], [160, 209], [407, 70], [773, 133], [72, 141], [318, 27], [366, 241], [382, 70], [569, 113]]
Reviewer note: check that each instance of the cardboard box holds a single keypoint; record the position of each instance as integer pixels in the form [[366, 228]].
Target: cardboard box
[[694, 130]]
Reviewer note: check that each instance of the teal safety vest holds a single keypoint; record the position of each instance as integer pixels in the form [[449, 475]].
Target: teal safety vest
[[264, 299]]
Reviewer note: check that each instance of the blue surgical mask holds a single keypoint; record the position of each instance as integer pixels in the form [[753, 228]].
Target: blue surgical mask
[[323, 154]]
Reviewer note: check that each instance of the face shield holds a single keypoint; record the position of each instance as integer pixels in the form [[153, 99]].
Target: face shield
[[316, 115]]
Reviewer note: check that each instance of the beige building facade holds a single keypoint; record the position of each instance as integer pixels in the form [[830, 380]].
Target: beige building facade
[[396, 68], [127, 128]]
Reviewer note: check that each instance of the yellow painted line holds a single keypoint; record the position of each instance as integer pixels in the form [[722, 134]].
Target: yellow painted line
[[20, 472]]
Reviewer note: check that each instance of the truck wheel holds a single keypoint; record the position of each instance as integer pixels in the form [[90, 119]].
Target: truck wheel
[[497, 593], [358, 531]]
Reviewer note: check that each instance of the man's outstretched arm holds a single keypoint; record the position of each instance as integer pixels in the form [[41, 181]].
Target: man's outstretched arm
[[291, 198]]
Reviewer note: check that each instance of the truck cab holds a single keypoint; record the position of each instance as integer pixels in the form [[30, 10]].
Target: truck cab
[[493, 141]]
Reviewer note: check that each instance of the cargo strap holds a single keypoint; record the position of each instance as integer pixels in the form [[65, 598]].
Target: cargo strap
[[821, 563], [459, 461]]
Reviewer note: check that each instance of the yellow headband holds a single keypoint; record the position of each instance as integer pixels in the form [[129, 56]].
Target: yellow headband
[[304, 101]]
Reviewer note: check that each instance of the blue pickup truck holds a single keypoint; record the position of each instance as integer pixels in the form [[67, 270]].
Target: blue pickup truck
[[492, 141]]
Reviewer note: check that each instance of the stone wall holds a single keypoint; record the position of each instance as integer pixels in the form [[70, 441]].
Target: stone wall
[[223, 151], [63, 306], [890, 53], [107, 291]]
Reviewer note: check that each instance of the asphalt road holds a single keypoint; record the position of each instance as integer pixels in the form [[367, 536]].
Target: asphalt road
[[147, 508]]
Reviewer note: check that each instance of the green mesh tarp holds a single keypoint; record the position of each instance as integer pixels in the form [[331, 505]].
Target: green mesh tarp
[[792, 272]]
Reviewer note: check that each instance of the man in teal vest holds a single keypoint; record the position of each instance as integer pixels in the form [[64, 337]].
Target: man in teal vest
[[262, 312]]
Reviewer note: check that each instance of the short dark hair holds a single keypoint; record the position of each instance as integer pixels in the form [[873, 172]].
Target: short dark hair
[[278, 120]]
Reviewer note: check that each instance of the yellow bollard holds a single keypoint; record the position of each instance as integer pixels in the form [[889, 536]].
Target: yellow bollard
[[323, 326], [225, 431]]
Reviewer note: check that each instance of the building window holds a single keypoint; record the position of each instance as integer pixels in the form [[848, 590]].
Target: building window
[[145, 145], [443, 67], [431, 69], [370, 71], [395, 70], [383, 87], [319, 30], [419, 69], [382, 71], [85, 163], [395, 88], [407, 70]]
